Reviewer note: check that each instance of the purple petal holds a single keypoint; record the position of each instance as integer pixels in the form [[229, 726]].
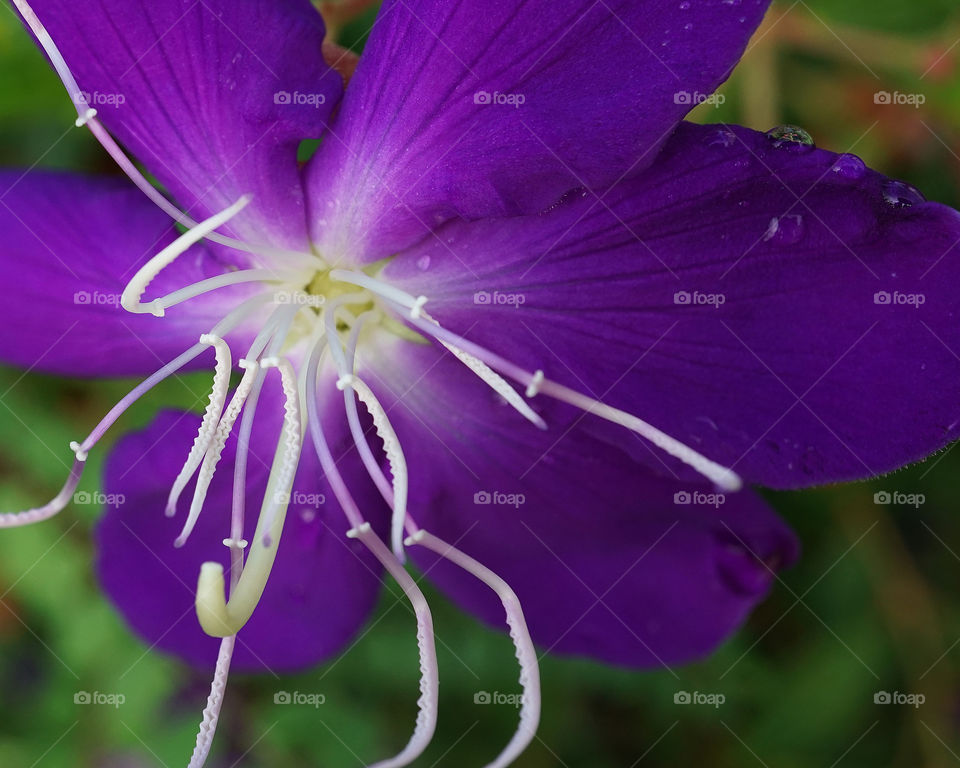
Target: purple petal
[[70, 244], [604, 560], [784, 311], [589, 93], [323, 585], [213, 97]]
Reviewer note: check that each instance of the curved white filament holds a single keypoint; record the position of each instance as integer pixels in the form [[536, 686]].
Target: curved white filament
[[215, 450], [211, 416], [428, 703], [211, 713], [130, 298], [217, 616], [526, 653]]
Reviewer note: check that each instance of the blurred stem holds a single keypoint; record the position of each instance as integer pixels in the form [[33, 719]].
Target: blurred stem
[[759, 78], [907, 609]]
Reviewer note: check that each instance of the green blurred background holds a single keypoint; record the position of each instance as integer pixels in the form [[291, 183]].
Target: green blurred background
[[873, 605]]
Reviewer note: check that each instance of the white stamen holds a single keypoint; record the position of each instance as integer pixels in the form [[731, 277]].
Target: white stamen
[[526, 653], [534, 387], [291, 439], [498, 384], [347, 380], [211, 713], [211, 417], [395, 457], [85, 118], [218, 617], [415, 305], [130, 299], [78, 451], [427, 704], [417, 309], [236, 543], [722, 476], [215, 449], [222, 281]]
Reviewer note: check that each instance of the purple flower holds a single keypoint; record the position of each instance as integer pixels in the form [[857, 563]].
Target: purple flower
[[521, 314]]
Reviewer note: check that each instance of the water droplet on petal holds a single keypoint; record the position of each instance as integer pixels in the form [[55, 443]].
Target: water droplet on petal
[[899, 194], [423, 263], [688, 27], [685, 5], [786, 230], [791, 138], [849, 167], [722, 137]]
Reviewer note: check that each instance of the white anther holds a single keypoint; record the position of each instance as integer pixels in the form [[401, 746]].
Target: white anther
[[355, 533], [347, 380], [287, 456], [77, 451], [417, 309], [85, 118], [130, 299], [395, 458], [534, 387], [498, 384], [236, 543], [211, 417], [215, 449], [523, 644]]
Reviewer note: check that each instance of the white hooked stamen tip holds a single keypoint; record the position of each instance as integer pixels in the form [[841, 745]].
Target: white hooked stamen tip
[[534, 387], [244, 363], [236, 543], [416, 310], [85, 118], [134, 290], [78, 451], [270, 362], [415, 538], [347, 380]]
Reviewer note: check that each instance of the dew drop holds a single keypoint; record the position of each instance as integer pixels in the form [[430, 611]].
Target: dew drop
[[423, 263], [791, 138], [685, 5], [849, 167], [899, 194], [786, 230]]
